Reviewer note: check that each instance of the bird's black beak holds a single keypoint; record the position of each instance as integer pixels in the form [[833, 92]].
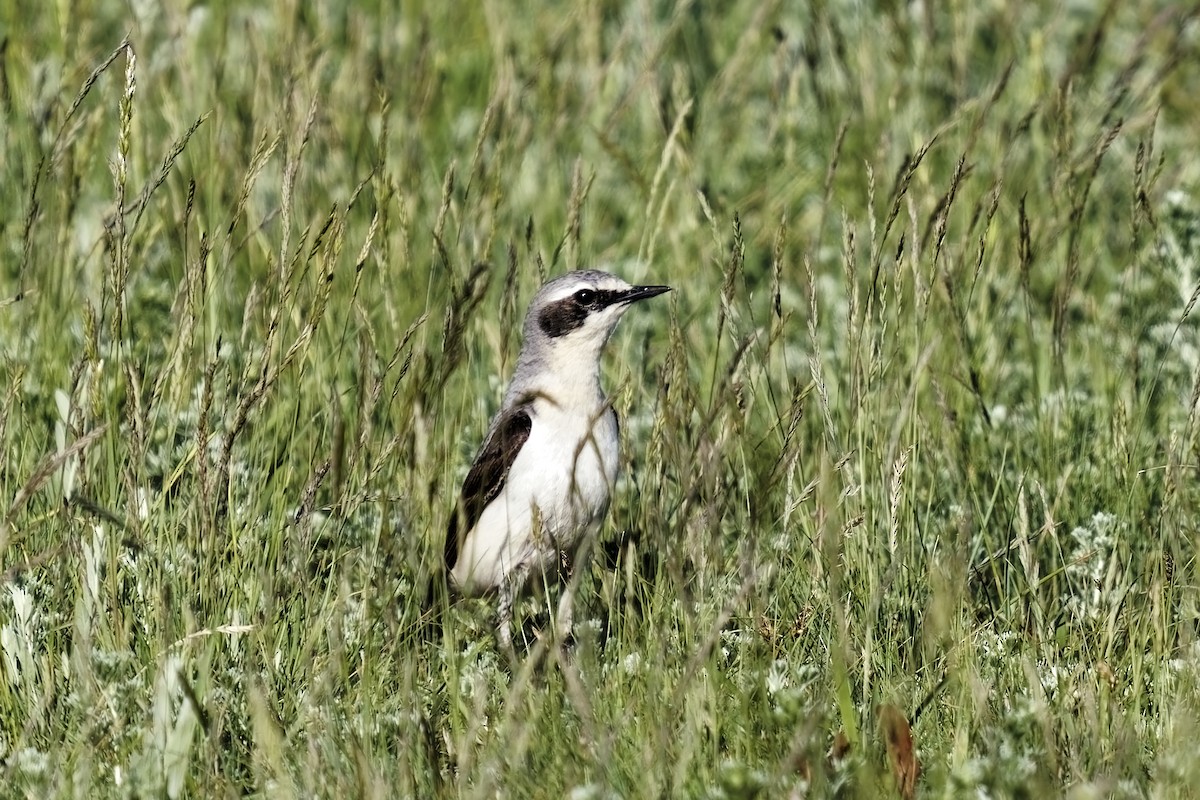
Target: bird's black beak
[[635, 293]]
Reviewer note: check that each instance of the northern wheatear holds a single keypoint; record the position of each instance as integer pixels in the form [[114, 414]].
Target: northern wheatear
[[540, 485]]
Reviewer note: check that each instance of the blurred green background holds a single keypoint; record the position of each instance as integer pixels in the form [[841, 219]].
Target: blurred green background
[[912, 445]]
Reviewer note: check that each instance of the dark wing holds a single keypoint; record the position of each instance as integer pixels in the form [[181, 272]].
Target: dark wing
[[487, 476]]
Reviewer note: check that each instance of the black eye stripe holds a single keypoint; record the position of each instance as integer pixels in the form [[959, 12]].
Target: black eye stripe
[[601, 298], [566, 315], [562, 317]]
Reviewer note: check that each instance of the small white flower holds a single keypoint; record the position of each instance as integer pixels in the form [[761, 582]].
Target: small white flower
[[31, 761], [590, 627], [777, 677], [22, 604], [590, 791]]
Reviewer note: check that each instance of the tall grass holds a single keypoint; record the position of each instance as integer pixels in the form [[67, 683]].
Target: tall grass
[[911, 450]]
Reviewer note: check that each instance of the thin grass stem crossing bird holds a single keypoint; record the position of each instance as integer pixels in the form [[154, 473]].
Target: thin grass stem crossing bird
[[540, 485]]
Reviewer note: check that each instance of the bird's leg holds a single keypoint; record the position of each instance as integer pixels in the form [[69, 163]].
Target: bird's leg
[[504, 614], [573, 569], [564, 617], [510, 589]]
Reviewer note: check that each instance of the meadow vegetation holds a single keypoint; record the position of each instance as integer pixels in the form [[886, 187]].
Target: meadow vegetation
[[912, 446]]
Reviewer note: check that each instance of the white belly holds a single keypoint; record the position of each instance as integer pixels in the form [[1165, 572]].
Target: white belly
[[557, 491]]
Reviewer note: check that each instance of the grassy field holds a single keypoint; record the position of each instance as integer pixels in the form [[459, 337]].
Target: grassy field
[[913, 445]]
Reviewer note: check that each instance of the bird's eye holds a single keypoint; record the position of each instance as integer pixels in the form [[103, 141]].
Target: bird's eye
[[585, 297]]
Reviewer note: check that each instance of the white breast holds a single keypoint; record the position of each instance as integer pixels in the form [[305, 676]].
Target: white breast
[[557, 490]]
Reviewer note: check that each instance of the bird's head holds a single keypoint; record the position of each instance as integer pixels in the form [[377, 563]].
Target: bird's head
[[572, 317]]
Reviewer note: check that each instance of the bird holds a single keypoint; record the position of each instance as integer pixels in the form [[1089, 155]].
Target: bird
[[539, 487]]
